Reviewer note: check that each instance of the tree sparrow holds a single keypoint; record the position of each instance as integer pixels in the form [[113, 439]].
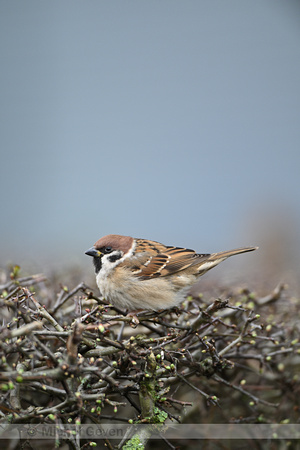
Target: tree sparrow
[[141, 274]]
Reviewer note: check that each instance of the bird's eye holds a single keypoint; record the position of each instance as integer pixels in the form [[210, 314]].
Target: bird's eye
[[107, 249]]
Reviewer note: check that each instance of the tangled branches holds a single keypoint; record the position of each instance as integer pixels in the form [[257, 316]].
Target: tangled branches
[[79, 360]]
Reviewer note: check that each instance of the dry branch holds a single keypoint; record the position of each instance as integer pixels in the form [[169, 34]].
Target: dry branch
[[99, 365]]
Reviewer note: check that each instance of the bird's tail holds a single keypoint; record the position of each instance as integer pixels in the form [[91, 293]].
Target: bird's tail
[[215, 258], [226, 254]]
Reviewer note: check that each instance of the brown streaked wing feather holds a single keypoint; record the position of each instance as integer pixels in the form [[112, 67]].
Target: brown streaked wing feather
[[152, 257], [153, 268], [144, 245], [171, 260], [182, 258]]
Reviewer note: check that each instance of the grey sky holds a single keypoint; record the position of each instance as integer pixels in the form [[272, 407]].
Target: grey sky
[[175, 121]]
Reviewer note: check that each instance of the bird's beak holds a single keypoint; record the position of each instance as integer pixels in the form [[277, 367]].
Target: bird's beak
[[93, 252]]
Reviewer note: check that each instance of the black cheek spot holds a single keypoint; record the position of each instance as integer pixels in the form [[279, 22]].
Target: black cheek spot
[[115, 257]]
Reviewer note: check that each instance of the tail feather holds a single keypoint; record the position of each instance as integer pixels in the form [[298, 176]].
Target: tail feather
[[215, 258], [226, 254]]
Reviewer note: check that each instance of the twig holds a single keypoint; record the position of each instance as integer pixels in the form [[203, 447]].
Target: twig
[[273, 297], [66, 296], [243, 391]]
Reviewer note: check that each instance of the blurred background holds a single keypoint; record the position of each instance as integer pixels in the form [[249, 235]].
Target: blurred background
[[169, 120]]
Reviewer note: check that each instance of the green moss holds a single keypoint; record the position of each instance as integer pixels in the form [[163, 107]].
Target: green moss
[[160, 415], [133, 444]]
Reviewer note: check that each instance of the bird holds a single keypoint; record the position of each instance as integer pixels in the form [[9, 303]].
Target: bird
[[140, 274]]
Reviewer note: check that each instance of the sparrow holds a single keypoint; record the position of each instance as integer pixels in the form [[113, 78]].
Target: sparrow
[[140, 274]]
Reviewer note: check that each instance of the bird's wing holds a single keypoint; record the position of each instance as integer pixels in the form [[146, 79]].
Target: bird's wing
[[157, 260]]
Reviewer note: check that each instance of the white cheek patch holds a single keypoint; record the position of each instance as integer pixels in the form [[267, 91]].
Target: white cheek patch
[[107, 265]]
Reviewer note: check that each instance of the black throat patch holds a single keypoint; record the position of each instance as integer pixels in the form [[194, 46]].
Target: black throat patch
[[97, 263]]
